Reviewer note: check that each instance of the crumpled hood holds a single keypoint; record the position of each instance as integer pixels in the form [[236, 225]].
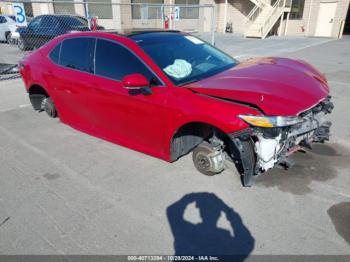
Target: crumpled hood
[[278, 86]]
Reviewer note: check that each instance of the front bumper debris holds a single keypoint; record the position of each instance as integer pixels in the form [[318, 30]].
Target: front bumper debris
[[273, 146]]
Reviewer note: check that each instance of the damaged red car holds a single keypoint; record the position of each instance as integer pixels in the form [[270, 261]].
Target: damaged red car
[[169, 93]]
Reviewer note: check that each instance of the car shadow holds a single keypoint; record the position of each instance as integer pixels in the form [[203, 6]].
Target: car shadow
[[206, 238]]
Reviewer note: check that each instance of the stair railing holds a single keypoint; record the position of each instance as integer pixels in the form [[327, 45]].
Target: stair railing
[[274, 12], [254, 13], [256, 10]]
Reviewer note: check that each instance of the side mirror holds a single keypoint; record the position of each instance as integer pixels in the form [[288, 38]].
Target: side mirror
[[135, 81]]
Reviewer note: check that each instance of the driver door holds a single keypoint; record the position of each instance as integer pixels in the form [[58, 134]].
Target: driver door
[[127, 117], [29, 35], [46, 31]]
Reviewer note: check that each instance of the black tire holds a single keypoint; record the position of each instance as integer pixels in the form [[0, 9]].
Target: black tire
[[8, 37], [49, 107], [200, 159], [248, 163], [21, 44]]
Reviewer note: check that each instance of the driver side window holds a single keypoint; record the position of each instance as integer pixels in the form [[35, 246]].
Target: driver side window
[[114, 61], [48, 23]]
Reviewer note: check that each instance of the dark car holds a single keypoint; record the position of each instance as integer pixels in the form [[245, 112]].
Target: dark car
[[46, 27]]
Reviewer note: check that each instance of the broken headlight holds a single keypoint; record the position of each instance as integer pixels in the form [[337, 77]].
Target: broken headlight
[[271, 121]]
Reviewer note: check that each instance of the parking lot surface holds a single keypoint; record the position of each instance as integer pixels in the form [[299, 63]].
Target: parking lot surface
[[65, 192]]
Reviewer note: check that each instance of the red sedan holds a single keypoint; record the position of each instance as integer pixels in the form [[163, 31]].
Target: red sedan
[[168, 93]]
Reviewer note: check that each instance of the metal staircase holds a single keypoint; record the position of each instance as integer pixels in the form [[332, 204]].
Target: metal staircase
[[264, 16]]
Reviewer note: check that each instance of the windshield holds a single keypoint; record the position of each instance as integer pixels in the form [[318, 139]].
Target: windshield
[[82, 20], [184, 58], [73, 21]]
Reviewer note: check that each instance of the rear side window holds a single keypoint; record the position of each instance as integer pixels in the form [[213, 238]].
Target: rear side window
[[76, 53], [115, 61], [2, 20], [55, 54]]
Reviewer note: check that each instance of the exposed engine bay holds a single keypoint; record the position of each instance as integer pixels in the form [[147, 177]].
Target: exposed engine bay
[[274, 145]]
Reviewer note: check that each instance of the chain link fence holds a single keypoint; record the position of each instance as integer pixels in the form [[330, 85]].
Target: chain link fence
[[30, 24]]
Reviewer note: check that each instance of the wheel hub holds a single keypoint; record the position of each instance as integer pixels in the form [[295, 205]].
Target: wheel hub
[[203, 162], [208, 160]]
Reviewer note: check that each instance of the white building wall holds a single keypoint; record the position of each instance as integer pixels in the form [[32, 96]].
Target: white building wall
[[307, 25], [237, 11]]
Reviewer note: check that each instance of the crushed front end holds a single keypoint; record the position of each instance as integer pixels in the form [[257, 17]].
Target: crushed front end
[[275, 138]]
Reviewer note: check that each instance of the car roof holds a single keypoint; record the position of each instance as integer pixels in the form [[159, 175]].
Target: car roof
[[115, 35], [11, 17], [148, 31], [133, 32], [7, 15], [62, 16]]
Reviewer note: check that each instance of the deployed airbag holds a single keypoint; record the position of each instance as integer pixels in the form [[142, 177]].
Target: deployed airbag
[[179, 69]]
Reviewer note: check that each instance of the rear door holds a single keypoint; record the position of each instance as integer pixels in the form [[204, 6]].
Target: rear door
[[71, 80], [29, 35]]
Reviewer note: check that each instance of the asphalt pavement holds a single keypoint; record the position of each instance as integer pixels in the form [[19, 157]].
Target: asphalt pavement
[[65, 192]]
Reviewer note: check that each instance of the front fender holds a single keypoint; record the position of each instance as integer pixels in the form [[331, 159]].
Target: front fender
[[187, 107]]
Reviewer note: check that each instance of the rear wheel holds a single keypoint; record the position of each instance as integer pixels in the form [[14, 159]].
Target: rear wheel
[[49, 107], [8, 37], [22, 45]]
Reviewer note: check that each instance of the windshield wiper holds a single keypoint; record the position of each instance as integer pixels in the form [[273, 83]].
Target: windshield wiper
[[189, 81]]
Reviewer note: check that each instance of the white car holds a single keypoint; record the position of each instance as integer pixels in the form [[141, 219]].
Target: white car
[[7, 27]]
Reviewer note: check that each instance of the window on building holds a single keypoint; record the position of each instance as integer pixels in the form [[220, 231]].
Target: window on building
[[188, 12], [64, 8], [28, 9], [115, 61], [76, 53], [145, 11], [101, 8], [297, 10]]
